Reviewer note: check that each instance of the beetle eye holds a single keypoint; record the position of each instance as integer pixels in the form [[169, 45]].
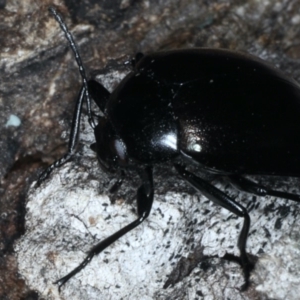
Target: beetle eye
[[119, 149], [111, 150]]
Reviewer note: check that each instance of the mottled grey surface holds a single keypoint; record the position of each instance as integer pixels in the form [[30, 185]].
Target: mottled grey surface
[[39, 80]]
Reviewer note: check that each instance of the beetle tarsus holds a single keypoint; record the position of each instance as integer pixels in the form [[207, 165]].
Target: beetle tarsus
[[60, 282], [246, 264], [247, 267]]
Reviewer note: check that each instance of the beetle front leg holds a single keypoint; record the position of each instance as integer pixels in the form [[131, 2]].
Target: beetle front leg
[[144, 203], [220, 198], [72, 141], [100, 95], [249, 186]]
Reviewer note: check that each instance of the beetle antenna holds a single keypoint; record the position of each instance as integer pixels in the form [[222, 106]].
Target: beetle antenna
[[74, 48]]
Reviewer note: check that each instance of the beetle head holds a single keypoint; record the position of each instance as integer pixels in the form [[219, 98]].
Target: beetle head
[[111, 150]]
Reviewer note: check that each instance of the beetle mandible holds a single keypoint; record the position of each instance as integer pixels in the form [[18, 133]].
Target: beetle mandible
[[230, 113]]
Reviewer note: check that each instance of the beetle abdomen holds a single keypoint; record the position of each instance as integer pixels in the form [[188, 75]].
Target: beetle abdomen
[[239, 116], [228, 111]]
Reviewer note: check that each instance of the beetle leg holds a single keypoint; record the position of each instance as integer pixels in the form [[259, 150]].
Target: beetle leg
[[100, 96], [118, 183], [137, 58], [222, 199], [144, 204], [252, 187], [98, 93], [72, 141]]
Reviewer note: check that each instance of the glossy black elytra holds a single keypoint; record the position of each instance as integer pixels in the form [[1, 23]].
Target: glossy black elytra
[[229, 113]]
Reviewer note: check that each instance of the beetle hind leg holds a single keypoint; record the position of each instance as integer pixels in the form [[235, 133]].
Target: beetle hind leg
[[220, 198], [249, 186]]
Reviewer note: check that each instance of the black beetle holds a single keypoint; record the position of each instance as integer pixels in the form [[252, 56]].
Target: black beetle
[[230, 113]]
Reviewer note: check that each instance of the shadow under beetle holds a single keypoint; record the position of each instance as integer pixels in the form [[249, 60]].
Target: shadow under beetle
[[230, 113]]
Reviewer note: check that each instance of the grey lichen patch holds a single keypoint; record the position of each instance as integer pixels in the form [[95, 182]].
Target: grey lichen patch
[[60, 231], [70, 213], [13, 121]]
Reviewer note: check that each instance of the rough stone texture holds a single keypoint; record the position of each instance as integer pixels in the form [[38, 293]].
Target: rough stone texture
[[71, 212], [39, 82]]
